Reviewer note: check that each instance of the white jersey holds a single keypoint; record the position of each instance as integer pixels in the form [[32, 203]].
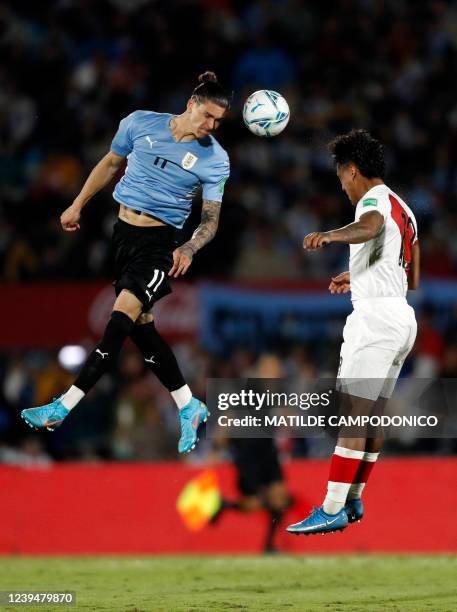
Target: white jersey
[[378, 268]]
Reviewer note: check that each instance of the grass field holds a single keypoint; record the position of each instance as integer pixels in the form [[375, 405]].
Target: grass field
[[195, 583]]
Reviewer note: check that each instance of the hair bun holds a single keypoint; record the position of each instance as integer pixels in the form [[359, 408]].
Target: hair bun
[[207, 76]]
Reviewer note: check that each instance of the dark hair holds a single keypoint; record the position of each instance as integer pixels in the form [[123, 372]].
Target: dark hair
[[210, 90], [361, 149]]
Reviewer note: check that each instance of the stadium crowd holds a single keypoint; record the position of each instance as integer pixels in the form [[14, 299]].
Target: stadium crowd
[[71, 70]]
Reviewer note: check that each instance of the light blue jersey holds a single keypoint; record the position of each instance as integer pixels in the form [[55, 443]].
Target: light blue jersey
[[162, 175]]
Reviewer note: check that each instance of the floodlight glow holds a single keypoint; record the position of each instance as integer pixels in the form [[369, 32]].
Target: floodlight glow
[[72, 356]]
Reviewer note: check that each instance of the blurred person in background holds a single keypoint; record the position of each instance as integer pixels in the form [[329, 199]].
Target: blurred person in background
[[30, 453], [260, 480], [169, 159]]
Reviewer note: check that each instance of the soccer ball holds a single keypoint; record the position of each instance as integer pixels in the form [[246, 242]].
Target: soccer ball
[[266, 113]]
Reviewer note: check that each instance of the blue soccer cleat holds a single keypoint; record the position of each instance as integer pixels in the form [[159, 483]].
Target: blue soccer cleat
[[191, 416], [49, 416], [354, 510], [319, 521]]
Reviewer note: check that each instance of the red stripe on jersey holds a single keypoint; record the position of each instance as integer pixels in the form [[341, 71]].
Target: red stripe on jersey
[[407, 231], [343, 469]]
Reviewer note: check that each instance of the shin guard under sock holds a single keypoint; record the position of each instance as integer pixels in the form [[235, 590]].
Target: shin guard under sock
[[158, 355], [106, 352]]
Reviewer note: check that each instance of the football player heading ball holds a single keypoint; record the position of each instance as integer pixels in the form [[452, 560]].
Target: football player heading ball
[[169, 158], [380, 332]]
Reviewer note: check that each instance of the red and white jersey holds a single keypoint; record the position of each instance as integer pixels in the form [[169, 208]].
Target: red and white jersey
[[378, 268]]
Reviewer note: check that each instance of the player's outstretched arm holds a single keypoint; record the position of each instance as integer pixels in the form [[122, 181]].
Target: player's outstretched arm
[[183, 255], [366, 228], [340, 283], [414, 269], [100, 176]]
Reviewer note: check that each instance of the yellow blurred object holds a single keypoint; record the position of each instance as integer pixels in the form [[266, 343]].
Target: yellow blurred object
[[199, 501], [52, 381]]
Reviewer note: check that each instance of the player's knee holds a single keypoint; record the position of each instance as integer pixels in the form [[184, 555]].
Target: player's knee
[[277, 496], [129, 304], [250, 503], [145, 317]]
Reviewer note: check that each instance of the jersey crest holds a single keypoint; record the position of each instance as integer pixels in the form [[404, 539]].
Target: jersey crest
[[188, 161]]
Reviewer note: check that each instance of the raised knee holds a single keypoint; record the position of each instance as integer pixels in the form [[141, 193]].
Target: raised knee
[[145, 317], [128, 303]]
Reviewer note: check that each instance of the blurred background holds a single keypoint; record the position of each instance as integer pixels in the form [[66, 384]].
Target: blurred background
[[253, 303]]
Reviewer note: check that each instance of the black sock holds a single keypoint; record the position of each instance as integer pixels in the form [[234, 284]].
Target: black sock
[[275, 521], [105, 354], [231, 504], [158, 355]]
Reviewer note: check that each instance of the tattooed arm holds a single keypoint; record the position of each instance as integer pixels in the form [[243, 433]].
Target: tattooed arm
[[207, 228], [182, 256]]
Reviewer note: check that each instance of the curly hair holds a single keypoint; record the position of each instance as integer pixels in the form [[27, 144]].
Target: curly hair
[[361, 149]]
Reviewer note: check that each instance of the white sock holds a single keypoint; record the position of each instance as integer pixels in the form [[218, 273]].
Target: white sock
[[372, 457], [72, 397], [335, 499], [182, 396]]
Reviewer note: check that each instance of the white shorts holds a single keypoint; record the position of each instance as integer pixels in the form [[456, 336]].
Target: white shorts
[[378, 336]]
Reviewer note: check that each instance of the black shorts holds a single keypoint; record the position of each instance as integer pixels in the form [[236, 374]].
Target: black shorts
[[143, 256], [257, 463]]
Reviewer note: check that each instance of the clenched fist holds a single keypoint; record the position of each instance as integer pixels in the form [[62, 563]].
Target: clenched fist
[[69, 219], [316, 240]]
